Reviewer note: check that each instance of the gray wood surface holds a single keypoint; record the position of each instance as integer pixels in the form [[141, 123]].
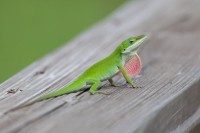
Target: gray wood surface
[[168, 102]]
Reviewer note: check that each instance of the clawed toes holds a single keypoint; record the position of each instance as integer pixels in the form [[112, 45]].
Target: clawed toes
[[99, 92]]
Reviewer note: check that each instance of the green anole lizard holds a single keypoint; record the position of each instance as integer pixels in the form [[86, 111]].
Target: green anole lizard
[[124, 59]]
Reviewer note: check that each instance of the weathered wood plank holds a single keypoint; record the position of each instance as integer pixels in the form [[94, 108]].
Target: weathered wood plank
[[170, 76]]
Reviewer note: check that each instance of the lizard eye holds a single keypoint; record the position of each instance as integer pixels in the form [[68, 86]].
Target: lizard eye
[[131, 42]]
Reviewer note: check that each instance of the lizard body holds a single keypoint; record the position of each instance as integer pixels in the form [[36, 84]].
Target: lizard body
[[105, 69]]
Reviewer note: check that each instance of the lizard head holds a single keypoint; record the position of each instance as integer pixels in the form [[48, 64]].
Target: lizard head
[[131, 44]]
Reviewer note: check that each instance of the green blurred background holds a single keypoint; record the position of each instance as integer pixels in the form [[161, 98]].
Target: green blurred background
[[29, 29]]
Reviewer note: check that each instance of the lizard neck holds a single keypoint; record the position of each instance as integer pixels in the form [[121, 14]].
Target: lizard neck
[[120, 58], [117, 56]]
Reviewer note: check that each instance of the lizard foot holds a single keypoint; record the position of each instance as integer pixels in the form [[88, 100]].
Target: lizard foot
[[99, 92]]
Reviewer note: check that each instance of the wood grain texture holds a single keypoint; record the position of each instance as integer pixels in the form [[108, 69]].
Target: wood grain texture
[[168, 101]]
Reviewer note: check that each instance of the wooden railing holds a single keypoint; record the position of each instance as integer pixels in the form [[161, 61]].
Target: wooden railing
[[169, 100]]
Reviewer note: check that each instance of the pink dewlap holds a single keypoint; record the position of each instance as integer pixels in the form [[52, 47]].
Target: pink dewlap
[[133, 66]]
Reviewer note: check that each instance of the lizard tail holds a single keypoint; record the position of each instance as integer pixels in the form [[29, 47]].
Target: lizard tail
[[75, 86]]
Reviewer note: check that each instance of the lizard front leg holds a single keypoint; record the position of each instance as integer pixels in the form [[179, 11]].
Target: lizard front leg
[[128, 79], [112, 83]]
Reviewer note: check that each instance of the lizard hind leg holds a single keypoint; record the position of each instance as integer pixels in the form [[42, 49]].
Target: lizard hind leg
[[94, 87]]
